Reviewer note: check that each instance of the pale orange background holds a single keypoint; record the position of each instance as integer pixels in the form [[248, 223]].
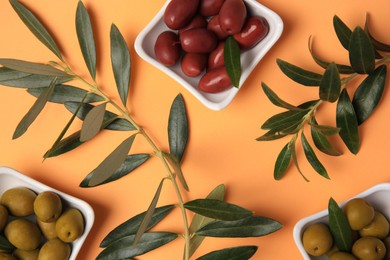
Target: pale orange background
[[222, 146]]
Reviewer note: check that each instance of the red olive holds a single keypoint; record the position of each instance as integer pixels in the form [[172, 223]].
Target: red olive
[[193, 64], [216, 57], [232, 16], [214, 81], [179, 13], [198, 40], [254, 30], [198, 22], [215, 27], [210, 7], [167, 48]]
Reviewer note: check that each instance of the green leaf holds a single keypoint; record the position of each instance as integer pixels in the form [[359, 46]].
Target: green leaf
[[130, 226], [93, 122], [347, 122], [320, 140], [65, 145], [324, 129], [178, 128], [330, 84], [369, 93], [295, 160], [312, 158], [217, 209], [232, 60], [34, 111], [233, 253], [198, 221], [270, 136], [281, 119], [86, 38], [299, 75], [378, 46], [123, 249], [14, 78], [143, 227], [5, 244], [339, 227], [361, 52], [113, 161], [276, 100], [32, 67], [172, 160], [254, 226], [118, 124], [120, 59], [66, 93], [342, 31], [282, 162], [36, 27]]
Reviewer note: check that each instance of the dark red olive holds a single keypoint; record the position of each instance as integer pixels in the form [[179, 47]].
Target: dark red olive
[[198, 22], [179, 13], [215, 27], [232, 16], [210, 7], [193, 64], [167, 48], [216, 57], [214, 81], [198, 40], [254, 30]]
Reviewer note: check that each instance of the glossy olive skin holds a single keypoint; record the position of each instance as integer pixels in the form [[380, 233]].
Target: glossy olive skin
[[167, 48], [255, 29], [232, 16], [214, 81], [179, 13], [198, 40], [216, 57], [197, 22], [210, 7], [215, 27], [193, 64]]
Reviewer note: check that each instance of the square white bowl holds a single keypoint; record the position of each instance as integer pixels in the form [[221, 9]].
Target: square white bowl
[[144, 46], [377, 196], [10, 178]]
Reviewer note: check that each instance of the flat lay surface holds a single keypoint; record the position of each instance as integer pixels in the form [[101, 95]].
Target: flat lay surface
[[222, 145]]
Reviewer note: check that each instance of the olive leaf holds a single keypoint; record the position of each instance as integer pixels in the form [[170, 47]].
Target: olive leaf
[[254, 226], [93, 122], [32, 67], [65, 145], [36, 27], [217, 209], [295, 159], [122, 249], [330, 84], [369, 93], [232, 60], [86, 38], [271, 135], [283, 119], [172, 160], [378, 45], [130, 226], [339, 227], [347, 122], [282, 162], [120, 59], [5, 244], [233, 253], [277, 101], [299, 75], [361, 52], [342, 31], [320, 140], [34, 111], [178, 128], [325, 129], [312, 158]]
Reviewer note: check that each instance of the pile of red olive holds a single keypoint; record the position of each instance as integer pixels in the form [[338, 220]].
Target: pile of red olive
[[199, 29]]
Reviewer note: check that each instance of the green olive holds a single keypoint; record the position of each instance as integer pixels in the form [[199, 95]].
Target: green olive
[[379, 227], [369, 248], [317, 239], [359, 213], [341, 256]]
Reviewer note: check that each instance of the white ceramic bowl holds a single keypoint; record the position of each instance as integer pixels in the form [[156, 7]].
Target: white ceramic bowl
[[378, 196], [10, 178], [144, 46]]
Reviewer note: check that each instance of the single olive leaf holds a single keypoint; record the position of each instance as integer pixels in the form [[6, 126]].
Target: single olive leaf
[[233, 253], [86, 38], [339, 227], [32, 67], [232, 60], [172, 160], [378, 45], [361, 52], [254, 226], [320, 140], [277, 101], [120, 60], [330, 84], [282, 162], [122, 249], [93, 122], [299, 75], [325, 129], [36, 27], [312, 158], [342, 31], [130, 226], [34, 111], [281, 119], [295, 160], [369, 93], [270, 136], [347, 122], [178, 128]]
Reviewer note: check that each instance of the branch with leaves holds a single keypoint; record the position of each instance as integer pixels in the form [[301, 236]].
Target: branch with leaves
[[368, 60], [213, 216]]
